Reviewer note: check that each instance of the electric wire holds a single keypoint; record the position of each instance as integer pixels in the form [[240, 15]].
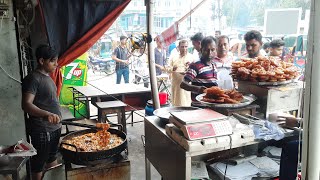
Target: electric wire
[[10, 76], [225, 171]]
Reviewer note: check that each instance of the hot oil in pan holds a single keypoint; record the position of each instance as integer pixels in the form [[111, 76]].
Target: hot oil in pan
[[92, 142]]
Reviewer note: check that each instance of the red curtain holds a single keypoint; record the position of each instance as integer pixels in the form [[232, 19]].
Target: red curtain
[[84, 43]]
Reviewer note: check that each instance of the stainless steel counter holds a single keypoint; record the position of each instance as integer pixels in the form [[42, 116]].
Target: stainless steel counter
[[170, 159], [273, 99]]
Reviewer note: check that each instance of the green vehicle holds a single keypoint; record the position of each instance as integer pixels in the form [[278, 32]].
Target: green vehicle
[[296, 43], [295, 50]]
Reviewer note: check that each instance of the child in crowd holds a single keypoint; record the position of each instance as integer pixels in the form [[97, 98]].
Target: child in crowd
[[276, 47]]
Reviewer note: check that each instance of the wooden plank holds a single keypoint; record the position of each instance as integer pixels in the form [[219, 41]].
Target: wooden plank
[[115, 171]]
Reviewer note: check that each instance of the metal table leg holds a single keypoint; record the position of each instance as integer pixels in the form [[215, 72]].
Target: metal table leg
[[15, 176], [148, 170]]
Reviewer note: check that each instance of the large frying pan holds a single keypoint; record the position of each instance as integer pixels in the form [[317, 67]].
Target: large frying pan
[[82, 158]]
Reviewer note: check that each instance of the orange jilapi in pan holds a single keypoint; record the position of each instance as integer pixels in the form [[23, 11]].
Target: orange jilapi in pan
[[98, 141]]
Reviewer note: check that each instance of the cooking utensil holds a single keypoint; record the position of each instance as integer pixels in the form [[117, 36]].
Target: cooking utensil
[[79, 124], [89, 126], [248, 119], [247, 99], [164, 113], [83, 158]]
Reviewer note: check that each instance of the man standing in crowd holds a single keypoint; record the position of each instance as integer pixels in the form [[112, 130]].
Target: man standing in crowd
[[253, 43], [40, 101], [196, 42], [178, 65], [223, 62], [201, 74], [235, 48], [276, 47], [159, 57], [121, 56], [217, 33], [266, 47], [224, 58], [172, 46]]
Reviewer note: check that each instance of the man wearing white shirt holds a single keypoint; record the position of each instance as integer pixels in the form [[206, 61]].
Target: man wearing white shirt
[[196, 42]]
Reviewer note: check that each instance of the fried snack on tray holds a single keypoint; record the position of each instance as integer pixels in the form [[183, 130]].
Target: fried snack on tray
[[91, 142], [218, 95], [263, 69]]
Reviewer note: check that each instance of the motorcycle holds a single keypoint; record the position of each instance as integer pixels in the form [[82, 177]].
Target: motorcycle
[[102, 65]]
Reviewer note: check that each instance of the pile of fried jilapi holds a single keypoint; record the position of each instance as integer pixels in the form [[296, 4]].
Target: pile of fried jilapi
[[218, 95], [263, 69], [92, 142]]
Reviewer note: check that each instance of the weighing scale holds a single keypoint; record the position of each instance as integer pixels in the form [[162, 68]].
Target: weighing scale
[[202, 123], [205, 129]]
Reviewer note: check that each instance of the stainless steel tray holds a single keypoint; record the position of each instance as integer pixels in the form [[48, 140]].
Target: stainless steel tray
[[247, 99], [270, 83], [164, 113]]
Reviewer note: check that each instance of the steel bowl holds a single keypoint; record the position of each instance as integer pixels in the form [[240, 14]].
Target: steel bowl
[[164, 113]]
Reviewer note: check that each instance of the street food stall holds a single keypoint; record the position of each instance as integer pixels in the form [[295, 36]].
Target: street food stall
[[188, 135]]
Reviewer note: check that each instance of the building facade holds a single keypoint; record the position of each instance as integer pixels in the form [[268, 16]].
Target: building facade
[[166, 12]]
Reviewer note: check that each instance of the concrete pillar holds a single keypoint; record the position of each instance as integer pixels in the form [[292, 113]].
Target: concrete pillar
[[311, 126], [12, 127]]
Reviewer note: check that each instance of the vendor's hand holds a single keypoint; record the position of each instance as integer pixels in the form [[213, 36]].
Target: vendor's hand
[[53, 118], [201, 89], [290, 121]]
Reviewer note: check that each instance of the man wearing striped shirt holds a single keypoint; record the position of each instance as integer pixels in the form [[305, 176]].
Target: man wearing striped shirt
[[202, 74]]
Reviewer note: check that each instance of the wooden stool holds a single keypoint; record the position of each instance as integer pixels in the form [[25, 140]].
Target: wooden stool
[[110, 107]]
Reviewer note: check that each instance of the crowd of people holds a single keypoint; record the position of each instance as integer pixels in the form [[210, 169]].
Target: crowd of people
[[208, 64], [190, 73], [229, 50]]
